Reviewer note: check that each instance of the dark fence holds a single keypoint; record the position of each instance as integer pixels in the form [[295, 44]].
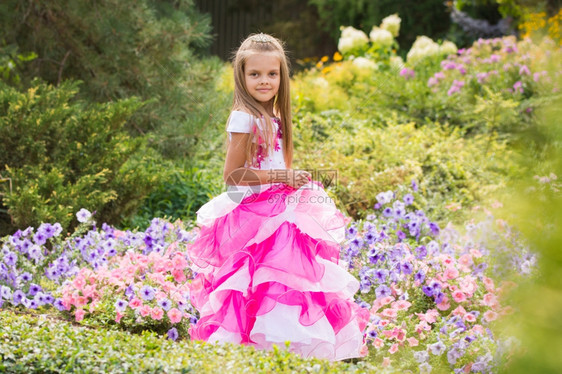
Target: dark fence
[[233, 20], [293, 21]]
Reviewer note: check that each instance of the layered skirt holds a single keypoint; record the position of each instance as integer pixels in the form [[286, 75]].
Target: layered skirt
[[268, 273]]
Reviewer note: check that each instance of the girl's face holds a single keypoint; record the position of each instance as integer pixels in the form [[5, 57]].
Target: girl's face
[[262, 76]]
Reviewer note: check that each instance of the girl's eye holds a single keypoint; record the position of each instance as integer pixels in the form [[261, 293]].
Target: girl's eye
[[273, 74]]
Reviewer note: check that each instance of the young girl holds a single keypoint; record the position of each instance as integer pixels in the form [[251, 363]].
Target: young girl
[[268, 248]]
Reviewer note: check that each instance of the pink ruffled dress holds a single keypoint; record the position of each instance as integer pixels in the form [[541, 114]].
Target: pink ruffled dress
[[267, 263]]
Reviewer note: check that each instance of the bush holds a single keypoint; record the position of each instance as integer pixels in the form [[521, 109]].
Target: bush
[[62, 154], [39, 344], [119, 49], [369, 159]]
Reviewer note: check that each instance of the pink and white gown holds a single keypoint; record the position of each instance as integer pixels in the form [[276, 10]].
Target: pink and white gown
[[267, 263]]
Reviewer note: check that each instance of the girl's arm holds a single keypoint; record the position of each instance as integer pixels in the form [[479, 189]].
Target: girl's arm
[[236, 174]]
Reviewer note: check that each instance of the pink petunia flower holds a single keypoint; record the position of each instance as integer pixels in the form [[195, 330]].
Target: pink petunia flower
[[145, 310], [175, 315], [490, 316], [451, 272], [79, 315], [401, 304], [469, 317], [459, 311], [179, 275], [413, 342], [459, 296], [394, 348], [135, 303], [389, 313], [157, 313], [378, 342], [79, 282]]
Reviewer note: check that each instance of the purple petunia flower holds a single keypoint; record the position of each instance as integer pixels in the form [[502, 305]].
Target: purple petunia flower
[[438, 297], [382, 291], [10, 258], [193, 320], [40, 238], [147, 293], [415, 186], [83, 215], [356, 243], [17, 297], [377, 206], [40, 298], [121, 305], [408, 199], [34, 288], [421, 356], [437, 348], [25, 277], [35, 252], [401, 235], [173, 334], [370, 237], [380, 275], [421, 252], [59, 305], [406, 268], [420, 277], [5, 293], [165, 304], [427, 290], [387, 212], [434, 228]]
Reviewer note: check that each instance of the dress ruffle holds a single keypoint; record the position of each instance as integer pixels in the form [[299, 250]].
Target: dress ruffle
[[268, 273]]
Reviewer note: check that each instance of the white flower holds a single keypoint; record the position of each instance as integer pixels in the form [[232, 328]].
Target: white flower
[[381, 36], [448, 48], [83, 215], [423, 47], [351, 38], [365, 63], [396, 62], [392, 24]]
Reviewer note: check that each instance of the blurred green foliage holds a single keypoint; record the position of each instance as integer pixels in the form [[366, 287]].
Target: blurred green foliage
[[63, 154], [535, 206]]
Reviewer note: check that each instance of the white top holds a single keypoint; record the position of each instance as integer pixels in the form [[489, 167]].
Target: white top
[[242, 122]]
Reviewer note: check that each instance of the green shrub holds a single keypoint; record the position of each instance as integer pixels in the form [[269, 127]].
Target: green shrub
[[62, 155], [178, 196], [39, 344], [119, 49], [369, 159]]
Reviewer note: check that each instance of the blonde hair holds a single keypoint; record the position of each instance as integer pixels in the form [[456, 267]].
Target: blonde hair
[[256, 44]]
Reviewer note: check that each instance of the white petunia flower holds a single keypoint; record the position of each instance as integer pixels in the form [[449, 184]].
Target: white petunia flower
[[83, 215]]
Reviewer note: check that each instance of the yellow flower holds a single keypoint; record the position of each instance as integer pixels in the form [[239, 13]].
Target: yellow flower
[[324, 58], [337, 56]]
